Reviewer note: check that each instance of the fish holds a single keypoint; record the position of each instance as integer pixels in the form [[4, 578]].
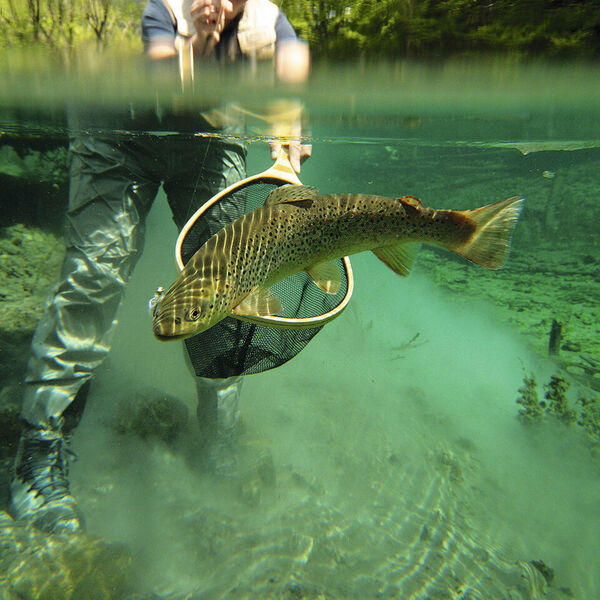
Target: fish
[[297, 229]]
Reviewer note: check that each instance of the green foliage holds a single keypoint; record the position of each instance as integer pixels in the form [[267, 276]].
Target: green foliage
[[325, 24], [64, 26], [415, 28]]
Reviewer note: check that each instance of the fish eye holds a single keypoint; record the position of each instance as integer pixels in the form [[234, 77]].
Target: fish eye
[[192, 314]]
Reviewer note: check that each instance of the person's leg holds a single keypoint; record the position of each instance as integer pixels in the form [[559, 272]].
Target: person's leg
[[107, 207], [202, 167], [210, 165], [218, 419]]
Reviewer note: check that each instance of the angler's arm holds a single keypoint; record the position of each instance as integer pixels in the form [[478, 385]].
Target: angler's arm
[[158, 31], [292, 62]]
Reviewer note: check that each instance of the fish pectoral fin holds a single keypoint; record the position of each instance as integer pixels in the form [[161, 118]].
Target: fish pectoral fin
[[260, 303], [398, 258], [300, 195], [327, 276]]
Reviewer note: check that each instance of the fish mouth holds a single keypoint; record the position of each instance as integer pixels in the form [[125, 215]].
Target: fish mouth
[[169, 338], [160, 333]]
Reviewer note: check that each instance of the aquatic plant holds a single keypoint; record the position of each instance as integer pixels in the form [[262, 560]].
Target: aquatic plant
[[555, 400], [589, 419], [555, 405], [532, 409]]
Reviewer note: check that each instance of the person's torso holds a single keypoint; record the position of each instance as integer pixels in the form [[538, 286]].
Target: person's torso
[[252, 34]]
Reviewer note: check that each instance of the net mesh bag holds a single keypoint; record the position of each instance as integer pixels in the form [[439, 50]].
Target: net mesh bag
[[233, 347]]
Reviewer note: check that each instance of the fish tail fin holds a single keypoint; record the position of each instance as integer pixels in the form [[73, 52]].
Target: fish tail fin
[[489, 244]]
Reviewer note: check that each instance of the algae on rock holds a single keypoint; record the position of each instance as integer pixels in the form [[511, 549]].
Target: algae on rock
[[49, 167], [30, 262], [36, 565]]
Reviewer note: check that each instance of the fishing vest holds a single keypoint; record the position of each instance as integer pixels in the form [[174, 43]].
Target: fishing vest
[[255, 33]]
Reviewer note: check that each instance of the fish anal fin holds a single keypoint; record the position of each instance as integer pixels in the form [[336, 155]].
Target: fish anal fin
[[260, 303], [326, 275], [398, 258], [299, 195]]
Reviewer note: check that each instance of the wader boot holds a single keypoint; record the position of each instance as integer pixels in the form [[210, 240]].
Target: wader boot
[[40, 486]]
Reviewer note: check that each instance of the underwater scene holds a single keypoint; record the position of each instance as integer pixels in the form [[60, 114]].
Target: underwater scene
[[438, 440]]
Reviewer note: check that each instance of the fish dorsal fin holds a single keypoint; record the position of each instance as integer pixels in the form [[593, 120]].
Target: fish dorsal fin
[[411, 201], [301, 195], [259, 303], [398, 258], [327, 276]]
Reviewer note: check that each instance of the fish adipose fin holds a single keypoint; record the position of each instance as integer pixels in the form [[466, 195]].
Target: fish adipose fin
[[327, 276], [490, 243], [411, 201], [301, 195], [398, 258], [259, 303]]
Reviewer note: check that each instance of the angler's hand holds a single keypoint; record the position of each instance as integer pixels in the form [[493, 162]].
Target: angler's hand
[[209, 18], [298, 153]]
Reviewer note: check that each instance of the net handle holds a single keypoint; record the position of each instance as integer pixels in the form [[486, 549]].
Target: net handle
[[281, 170]]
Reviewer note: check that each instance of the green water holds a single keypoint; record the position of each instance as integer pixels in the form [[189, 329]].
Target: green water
[[400, 467]]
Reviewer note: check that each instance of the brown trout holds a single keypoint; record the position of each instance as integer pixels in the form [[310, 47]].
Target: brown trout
[[299, 230]]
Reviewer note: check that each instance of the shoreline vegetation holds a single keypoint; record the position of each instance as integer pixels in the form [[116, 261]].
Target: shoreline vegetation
[[338, 29]]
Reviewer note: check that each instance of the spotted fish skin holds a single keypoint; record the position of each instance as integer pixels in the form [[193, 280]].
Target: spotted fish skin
[[299, 230]]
